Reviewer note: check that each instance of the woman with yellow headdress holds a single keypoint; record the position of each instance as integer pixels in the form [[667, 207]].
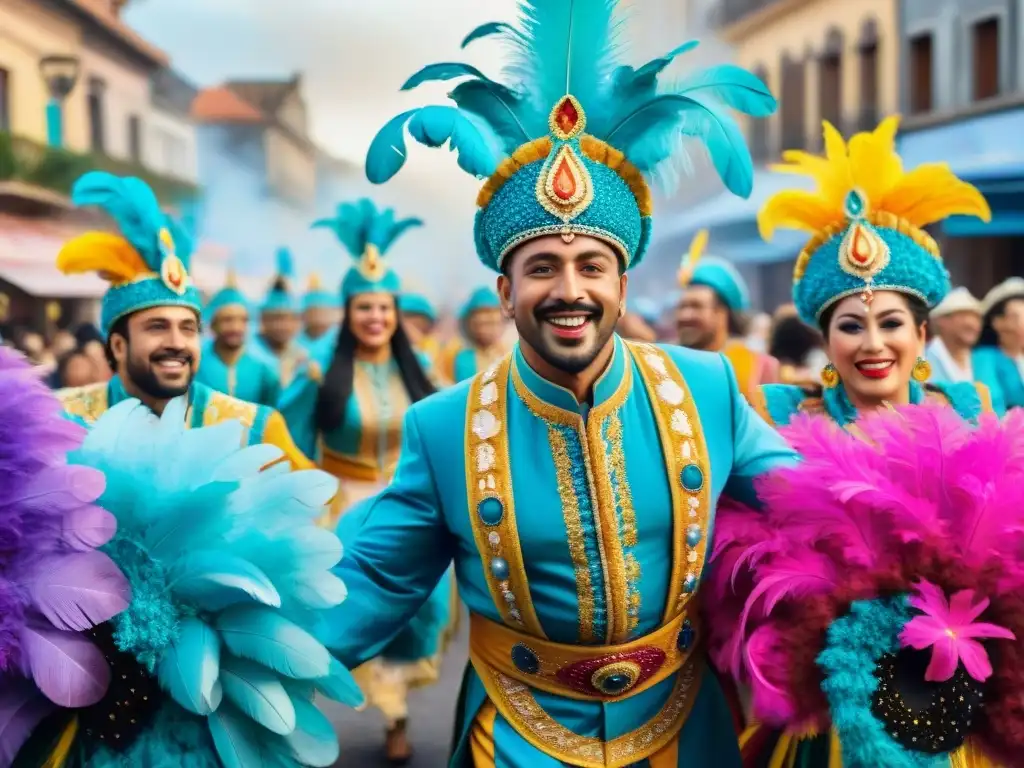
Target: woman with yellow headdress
[[832, 673]]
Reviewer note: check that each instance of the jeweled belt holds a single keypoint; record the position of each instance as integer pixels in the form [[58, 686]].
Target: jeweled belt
[[587, 672]]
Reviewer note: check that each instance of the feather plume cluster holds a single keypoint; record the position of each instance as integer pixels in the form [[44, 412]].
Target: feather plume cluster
[[229, 573], [54, 584], [360, 224], [572, 47], [920, 496]]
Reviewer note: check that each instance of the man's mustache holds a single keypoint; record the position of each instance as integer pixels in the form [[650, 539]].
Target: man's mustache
[[564, 307], [179, 355]]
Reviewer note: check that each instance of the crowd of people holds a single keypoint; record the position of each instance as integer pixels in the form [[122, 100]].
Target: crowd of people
[[792, 540]]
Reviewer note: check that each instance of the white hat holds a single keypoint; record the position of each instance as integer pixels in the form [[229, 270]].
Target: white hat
[[957, 300], [1012, 288]]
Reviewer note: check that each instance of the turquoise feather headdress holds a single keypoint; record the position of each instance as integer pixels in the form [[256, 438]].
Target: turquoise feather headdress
[[279, 297], [146, 264], [317, 297], [482, 298], [367, 233], [417, 304], [568, 141]]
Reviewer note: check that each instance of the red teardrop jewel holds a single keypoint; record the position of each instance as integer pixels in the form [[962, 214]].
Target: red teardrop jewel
[[566, 116], [565, 182], [860, 246]]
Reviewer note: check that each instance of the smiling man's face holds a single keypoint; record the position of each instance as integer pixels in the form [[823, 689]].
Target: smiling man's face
[[160, 354], [565, 298]]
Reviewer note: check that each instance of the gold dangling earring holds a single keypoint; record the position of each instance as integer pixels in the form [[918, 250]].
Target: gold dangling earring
[[830, 376], [922, 371]]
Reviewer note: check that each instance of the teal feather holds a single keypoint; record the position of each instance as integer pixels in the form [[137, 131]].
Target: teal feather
[[191, 666], [184, 242], [434, 126], [501, 109], [339, 685], [487, 30], [246, 462], [258, 694], [132, 205], [299, 689], [261, 635], [440, 72], [732, 86], [212, 581], [397, 229], [313, 742], [319, 591], [236, 739]]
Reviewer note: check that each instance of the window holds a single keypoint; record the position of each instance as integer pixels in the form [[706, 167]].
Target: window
[[921, 73], [94, 100], [985, 46], [868, 53], [792, 97], [759, 127], [135, 138], [5, 100], [830, 79]]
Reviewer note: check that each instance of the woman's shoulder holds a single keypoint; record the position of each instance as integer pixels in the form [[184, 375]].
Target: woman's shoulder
[[779, 403], [969, 399]]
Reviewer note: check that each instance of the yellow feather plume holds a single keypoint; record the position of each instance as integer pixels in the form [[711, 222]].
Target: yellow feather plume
[[314, 282], [691, 257], [231, 278], [59, 757], [111, 256], [869, 164]]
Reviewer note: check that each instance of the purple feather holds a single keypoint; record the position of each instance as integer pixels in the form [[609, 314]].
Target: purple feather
[[79, 591], [88, 527], [22, 708], [69, 670]]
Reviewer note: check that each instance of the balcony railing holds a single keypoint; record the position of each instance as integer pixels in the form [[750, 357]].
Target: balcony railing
[[56, 170]]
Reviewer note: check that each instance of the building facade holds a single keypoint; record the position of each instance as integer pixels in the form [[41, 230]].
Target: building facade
[[832, 60], [962, 91]]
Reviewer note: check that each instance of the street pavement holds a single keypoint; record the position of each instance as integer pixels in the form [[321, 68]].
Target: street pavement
[[431, 715]]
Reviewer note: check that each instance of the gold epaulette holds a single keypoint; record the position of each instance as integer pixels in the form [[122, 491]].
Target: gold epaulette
[[87, 403]]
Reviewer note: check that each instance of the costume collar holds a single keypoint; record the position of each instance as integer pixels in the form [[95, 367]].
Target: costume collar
[[607, 385], [843, 412]]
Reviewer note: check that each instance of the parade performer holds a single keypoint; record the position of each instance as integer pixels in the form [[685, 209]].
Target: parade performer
[[712, 314], [352, 421], [50, 530], [277, 340], [150, 316], [575, 482], [867, 278], [319, 315], [419, 319], [212, 662], [227, 366], [956, 321], [999, 360], [482, 327]]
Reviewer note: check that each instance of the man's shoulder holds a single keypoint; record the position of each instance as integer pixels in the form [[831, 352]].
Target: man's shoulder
[[218, 407], [441, 409], [87, 403]]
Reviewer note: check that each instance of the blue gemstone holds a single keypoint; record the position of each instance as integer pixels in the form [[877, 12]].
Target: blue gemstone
[[693, 535], [616, 683], [525, 659], [690, 584], [686, 636], [692, 478], [499, 568], [854, 204], [491, 510]]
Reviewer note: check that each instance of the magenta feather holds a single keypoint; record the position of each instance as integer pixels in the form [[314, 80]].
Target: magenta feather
[[849, 514], [68, 669]]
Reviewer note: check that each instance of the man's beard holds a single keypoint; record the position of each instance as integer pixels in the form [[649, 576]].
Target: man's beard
[[566, 361], [143, 376]]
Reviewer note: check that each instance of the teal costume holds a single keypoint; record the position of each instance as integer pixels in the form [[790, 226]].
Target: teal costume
[[1002, 376], [293, 360], [579, 533], [471, 360], [318, 298]]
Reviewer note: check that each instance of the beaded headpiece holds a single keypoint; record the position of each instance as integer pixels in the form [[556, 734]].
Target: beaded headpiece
[[228, 296], [717, 274], [316, 297], [568, 141], [367, 234], [417, 304], [482, 298], [866, 220], [146, 264]]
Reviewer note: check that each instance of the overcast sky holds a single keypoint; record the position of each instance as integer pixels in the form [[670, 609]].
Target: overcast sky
[[354, 55]]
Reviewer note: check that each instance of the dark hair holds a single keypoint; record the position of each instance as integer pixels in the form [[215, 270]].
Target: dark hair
[[989, 337], [120, 327], [87, 332], [332, 402], [60, 373], [917, 308], [792, 340]]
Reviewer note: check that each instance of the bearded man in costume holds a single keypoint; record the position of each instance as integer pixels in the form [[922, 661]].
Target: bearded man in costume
[[576, 493]]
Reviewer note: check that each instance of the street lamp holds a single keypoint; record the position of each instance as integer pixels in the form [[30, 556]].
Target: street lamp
[[60, 73]]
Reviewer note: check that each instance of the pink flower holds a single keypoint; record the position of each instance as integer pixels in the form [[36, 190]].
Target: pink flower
[[948, 629]]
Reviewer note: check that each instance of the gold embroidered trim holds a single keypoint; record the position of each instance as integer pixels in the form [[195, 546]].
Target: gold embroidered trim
[[624, 499], [87, 403], [221, 407], [603, 153], [684, 448], [516, 704], [489, 476], [575, 536], [606, 521]]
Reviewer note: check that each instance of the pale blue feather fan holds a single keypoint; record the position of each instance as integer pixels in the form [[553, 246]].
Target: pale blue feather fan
[[569, 136], [367, 233], [229, 573]]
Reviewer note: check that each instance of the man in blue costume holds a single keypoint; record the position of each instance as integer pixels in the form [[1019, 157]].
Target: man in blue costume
[[419, 319], [151, 316], [575, 482], [228, 366], [278, 341], [320, 312], [483, 327]]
